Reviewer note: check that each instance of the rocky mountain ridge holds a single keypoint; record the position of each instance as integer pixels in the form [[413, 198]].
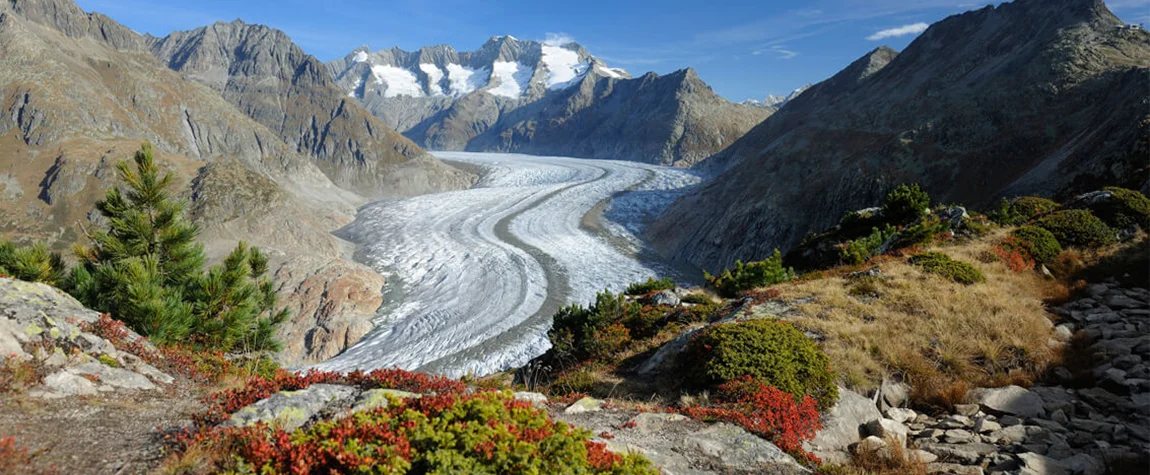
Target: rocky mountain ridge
[[265, 75], [525, 96], [983, 104]]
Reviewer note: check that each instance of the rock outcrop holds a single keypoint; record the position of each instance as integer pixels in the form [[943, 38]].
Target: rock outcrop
[[47, 328], [1027, 97], [524, 96]]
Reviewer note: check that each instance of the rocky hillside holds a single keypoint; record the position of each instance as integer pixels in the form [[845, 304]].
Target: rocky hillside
[[988, 103], [266, 76], [516, 95], [80, 92]]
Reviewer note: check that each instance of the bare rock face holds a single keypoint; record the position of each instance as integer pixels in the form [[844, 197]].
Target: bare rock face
[[269, 78], [1029, 97], [332, 307], [524, 96]]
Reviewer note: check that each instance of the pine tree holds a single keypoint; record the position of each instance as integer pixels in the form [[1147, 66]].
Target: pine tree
[[31, 263], [146, 269]]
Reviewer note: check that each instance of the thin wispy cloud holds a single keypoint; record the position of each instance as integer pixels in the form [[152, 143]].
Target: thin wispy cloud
[[912, 29], [558, 39], [778, 51]]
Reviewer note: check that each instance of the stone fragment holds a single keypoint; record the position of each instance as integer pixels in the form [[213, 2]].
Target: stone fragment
[[1010, 400]]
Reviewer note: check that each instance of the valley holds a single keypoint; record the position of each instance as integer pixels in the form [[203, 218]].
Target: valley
[[475, 275]]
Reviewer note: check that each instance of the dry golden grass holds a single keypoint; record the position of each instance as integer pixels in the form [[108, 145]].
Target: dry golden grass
[[892, 459], [941, 336]]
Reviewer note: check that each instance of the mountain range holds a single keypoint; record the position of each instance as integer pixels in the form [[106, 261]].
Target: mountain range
[[1045, 97], [542, 98], [280, 162]]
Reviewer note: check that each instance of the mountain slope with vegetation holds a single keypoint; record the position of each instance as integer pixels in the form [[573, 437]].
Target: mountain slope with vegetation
[[984, 104]]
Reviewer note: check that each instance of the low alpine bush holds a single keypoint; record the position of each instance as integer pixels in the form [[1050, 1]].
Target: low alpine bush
[[942, 264], [1078, 228], [651, 285], [860, 250], [487, 432], [770, 351], [1041, 244], [1125, 209], [1022, 209], [905, 204], [749, 276]]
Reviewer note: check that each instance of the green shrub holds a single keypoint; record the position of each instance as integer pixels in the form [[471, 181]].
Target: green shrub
[[906, 203], [1022, 209], [651, 285], [483, 433], [31, 263], [1041, 244], [926, 229], [573, 327], [750, 276], [1125, 209], [941, 264], [1077, 228], [861, 250], [698, 298], [771, 351]]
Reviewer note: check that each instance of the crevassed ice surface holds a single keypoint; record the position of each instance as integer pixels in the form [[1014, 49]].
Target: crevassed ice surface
[[480, 272]]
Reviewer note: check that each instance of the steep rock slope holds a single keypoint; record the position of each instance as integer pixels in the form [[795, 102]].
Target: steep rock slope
[[79, 92], [516, 95], [269, 78], [1033, 96]]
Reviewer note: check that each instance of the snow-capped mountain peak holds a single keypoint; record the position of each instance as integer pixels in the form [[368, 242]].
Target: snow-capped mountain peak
[[505, 67]]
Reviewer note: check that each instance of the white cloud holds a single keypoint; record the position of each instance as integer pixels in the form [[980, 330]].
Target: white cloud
[[778, 51], [912, 29], [558, 39]]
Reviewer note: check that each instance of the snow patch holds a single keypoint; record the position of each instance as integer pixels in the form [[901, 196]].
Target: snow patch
[[360, 57], [463, 80], [563, 66], [610, 72], [399, 81], [434, 75], [513, 79]]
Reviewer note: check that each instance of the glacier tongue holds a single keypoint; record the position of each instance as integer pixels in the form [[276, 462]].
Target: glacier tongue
[[481, 271]]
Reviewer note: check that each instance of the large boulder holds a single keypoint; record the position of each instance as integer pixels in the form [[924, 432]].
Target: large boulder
[[741, 450], [1011, 400], [842, 426], [290, 410]]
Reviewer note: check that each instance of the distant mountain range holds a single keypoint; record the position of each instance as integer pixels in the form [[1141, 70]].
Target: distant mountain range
[[515, 95], [1046, 97], [776, 102]]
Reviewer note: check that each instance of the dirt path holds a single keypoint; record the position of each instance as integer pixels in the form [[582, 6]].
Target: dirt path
[[114, 434]]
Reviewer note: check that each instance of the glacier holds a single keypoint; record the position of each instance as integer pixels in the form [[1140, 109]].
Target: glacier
[[474, 276]]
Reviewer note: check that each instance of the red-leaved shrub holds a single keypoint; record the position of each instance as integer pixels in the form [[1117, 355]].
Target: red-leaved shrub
[[766, 411]]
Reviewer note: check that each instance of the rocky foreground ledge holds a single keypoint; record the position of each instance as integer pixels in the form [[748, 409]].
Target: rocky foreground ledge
[[1094, 421]]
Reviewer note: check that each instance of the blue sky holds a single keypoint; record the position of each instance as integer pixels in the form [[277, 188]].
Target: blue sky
[[743, 49]]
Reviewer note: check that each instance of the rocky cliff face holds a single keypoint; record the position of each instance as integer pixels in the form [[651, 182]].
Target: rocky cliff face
[[1030, 97], [266, 76], [79, 92], [514, 95]]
